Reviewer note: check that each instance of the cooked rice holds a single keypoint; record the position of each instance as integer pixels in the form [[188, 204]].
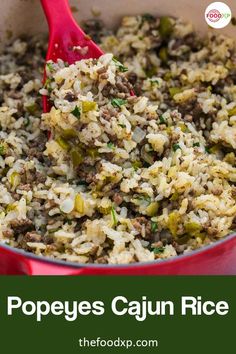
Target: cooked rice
[[129, 165]]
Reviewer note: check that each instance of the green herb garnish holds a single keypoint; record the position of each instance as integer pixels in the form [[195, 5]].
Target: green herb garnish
[[158, 250], [120, 66], [50, 67], [176, 147], [196, 144], [154, 226], [76, 112], [162, 120], [207, 149], [122, 125], [110, 145], [118, 102]]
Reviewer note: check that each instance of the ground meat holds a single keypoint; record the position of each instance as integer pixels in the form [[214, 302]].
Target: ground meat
[[21, 226], [8, 233], [108, 113], [138, 225], [70, 97], [104, 76], [101, 70], [123, 84], [32, 237], [179, 248], [40, 178], [132, 77], [34, 152], [86, 173], [102, 260], [39, 142], [24, 187], [118, 199]]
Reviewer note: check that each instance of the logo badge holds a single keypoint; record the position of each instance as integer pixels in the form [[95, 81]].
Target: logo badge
[[218, 15]]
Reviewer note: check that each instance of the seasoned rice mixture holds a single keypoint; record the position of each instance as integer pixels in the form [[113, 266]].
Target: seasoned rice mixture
[[136, 159]]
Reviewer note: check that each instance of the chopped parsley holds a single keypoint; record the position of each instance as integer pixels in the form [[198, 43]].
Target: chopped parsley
[[110, 145], [154, 226], [118, 102], [162, 120], [122, 125], [196, 144], [207, 150], [119, 65], [158, 250], [175, 147], [76, 112], [50, 67]]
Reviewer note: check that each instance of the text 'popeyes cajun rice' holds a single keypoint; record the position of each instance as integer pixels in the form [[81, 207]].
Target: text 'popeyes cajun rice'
[[136, 159]]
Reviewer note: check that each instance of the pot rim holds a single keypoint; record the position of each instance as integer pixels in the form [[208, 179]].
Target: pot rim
[[75, 265]]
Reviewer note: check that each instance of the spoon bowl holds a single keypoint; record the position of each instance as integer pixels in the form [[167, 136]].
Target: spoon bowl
[[67, 41]]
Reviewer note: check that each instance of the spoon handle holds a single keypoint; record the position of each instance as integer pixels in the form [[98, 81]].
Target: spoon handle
[[58, 13]]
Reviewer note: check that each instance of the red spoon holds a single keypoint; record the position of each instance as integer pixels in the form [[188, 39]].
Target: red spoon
[[67, 41]]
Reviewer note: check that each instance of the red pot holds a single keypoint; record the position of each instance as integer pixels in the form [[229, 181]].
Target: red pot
[[216, 259]]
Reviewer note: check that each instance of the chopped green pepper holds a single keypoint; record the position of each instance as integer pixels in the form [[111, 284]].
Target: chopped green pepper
[[136, 165], [2, 149], [63, 143], [69, 134], [232, 112], [152, 209], [15, 179], [88, 106], [32, 108], [79, 203], [165, 27], [173, 221], [76, 157], [174, 90], [163, 55], [92, 152], [175, 196]]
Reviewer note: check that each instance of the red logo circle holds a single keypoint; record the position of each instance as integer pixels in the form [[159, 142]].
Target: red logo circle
[[214, 15]]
